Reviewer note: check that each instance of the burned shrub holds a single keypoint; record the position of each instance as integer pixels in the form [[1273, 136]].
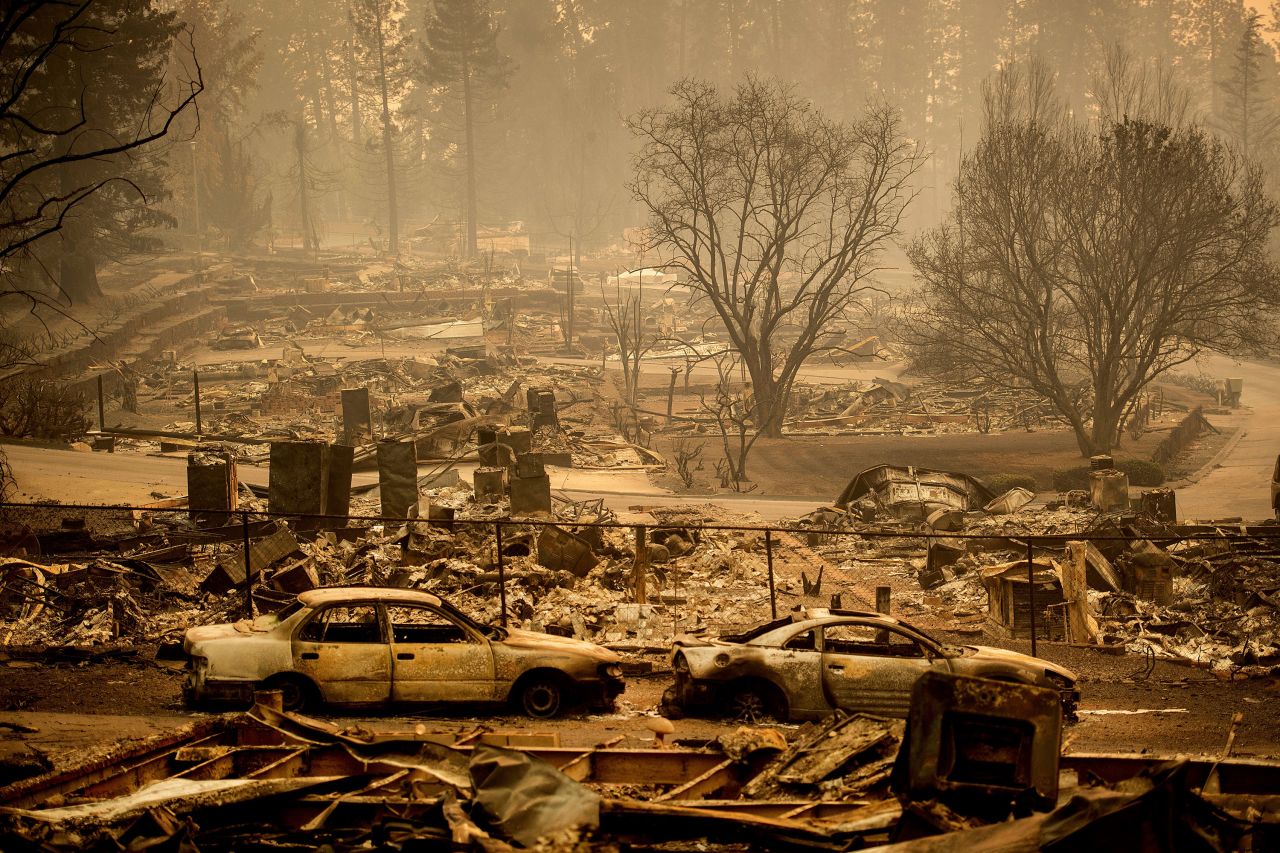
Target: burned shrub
[[37, 408]]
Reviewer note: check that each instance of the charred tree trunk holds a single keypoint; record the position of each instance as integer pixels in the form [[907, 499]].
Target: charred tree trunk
[[310, 242], [393, 215], [77, 264], [469, 250]]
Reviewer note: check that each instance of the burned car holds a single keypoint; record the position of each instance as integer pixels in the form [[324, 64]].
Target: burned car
[[237, 336], [804, 666], [374, 647]]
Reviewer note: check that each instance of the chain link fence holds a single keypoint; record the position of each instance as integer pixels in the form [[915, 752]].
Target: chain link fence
[[78, 575]]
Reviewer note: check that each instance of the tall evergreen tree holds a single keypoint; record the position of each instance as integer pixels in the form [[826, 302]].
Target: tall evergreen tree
[[463, 59], [112, 79], [1248, 116], [382, 49]]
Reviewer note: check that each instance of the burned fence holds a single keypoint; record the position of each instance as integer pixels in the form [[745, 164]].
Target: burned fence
[[86, 575], [1188, 430]]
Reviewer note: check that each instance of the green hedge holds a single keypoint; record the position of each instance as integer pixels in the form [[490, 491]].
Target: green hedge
[[1140, 471], [1001, 483], [1070, 479]]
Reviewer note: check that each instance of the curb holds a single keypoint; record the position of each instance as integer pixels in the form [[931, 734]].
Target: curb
[[1204, 470]]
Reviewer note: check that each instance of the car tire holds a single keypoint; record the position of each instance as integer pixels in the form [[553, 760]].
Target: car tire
[[296, 692], [542, 697], [754, 702]]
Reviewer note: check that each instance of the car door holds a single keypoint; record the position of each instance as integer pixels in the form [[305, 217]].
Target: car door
[[435, 658], [344, 651], [870, 668]]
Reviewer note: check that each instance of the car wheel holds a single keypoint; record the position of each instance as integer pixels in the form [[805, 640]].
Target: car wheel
[[542, 697], [753, 702], [296, 692]]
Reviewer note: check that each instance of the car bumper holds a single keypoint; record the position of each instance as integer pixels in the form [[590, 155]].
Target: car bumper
[[203, 691]]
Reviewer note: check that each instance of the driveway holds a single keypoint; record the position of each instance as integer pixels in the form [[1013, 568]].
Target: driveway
[[1238, 482]]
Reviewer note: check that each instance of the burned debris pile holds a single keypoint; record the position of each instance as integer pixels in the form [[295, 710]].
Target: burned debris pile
[[885, 407], [144, 577], [1091, 569], [269, 780]]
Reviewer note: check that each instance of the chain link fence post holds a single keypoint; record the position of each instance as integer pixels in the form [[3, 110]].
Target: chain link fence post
[[248, 565], [502, 575], [768, 555], [1031, 595]]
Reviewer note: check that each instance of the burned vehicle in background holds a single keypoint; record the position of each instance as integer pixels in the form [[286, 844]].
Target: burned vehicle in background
[[816, 660], [236, 336], [912, 494], [374, 647]]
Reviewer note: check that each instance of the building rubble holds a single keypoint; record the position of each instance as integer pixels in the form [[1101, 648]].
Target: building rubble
[[1203, 595], [269, 780]]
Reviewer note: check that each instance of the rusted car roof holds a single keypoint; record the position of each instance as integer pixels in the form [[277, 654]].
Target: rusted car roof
[[314, 597]]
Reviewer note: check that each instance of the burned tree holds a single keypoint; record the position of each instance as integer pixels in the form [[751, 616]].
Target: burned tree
[[735, 412], [775, 213], [463, 59], [625, 318], [1084, 265]]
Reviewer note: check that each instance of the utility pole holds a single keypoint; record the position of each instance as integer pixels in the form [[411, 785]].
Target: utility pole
[[568, 339]]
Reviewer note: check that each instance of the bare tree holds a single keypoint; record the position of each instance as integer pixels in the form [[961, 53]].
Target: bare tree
[[1083, 265], [734, 410], [625, 317], [776, 214], [1125, 87]]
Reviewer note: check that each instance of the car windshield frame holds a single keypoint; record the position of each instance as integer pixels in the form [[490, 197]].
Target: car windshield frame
[[931, 645]]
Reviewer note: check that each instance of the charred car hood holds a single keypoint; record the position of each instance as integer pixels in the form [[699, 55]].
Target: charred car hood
[[1019, 659], [535, 641], [242, 628]]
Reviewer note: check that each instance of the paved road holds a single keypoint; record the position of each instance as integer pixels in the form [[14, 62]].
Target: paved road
[[69, 476], [1238, 483]]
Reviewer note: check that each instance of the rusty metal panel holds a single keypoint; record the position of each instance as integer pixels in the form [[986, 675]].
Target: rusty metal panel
[[983, 738], [398, 479]]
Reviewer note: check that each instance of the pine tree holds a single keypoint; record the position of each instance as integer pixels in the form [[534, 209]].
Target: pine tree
[[463, 58], [115, 77], [382, 49], [1248, 117]]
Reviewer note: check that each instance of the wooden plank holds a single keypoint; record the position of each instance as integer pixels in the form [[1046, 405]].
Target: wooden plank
[[713, 780]]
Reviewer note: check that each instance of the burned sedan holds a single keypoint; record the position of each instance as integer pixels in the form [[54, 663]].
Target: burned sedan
[[803, 666], [373, 647]]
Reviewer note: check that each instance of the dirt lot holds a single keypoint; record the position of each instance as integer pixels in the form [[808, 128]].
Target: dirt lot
[[827, 463]]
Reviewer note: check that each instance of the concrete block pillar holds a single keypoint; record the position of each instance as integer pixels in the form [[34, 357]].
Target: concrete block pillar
[[530, 495], [212, 486], [398, 479], [299, 476], [338, 487], [357, 420]]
